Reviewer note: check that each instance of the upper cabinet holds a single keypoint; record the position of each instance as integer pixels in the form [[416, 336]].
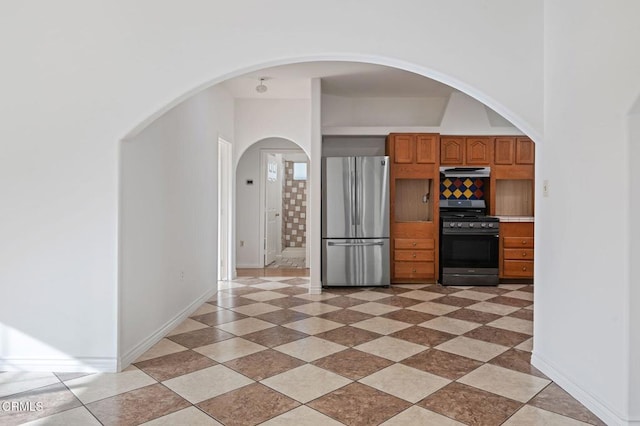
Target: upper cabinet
[[461, 150], [525, 152], [414, 148], [451, 150], [514, 150], [479, 151]]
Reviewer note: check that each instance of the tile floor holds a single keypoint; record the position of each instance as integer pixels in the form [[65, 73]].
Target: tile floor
[[264, 351]]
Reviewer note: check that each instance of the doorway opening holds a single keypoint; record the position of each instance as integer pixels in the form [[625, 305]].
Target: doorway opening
[[225, 189]]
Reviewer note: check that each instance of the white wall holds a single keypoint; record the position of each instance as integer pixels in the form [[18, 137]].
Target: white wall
[[79, 76], [169, 217], [248, 199], [582, 326], [633, 303]]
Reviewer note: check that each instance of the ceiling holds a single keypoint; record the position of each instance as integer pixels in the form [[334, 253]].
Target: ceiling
[[349, 79]]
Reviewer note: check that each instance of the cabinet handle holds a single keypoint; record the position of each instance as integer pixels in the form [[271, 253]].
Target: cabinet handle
[[413, 270], [413, 244], [524, 254], [524, 242], [524, 268], [414, 255]]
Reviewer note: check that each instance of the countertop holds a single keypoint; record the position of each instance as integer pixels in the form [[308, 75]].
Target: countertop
[[516, 218]]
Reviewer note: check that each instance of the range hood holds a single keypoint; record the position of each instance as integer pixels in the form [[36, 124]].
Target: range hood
[[461, 172]]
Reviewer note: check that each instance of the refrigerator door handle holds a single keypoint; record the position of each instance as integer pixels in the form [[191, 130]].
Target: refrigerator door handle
[[354, 200], [380, 243]]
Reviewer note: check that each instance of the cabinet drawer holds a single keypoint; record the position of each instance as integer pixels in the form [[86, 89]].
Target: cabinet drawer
[[518, 254], [414, 243], [414, 255], [518, 268], [516, 242], [414, 269]]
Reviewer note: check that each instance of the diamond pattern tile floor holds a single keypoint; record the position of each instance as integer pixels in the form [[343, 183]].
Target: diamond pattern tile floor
[[264, 351]]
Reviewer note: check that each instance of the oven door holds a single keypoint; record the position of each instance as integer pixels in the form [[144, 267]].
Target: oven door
[[469, 259]]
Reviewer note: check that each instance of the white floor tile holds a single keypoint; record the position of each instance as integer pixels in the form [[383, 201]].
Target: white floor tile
[[189, 416], [502, 381], [306, 383], [103, 385], [230, 349], [207, 383], [20, 381], [405, 382]]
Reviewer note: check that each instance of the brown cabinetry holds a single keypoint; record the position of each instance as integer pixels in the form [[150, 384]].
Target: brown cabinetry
[[466, 150], [516, 250], [414, 197]]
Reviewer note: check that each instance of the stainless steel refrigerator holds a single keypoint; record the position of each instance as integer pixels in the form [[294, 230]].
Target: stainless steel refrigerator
[[355, 221]]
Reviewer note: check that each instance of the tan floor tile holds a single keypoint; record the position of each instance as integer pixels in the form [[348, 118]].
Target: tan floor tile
[[245, 326], [508, 383], [529, 415], [373, 308], [206, 308], [357, 404], [230, 349], [317, 297], [369, 295], [391, 348], [450, 325], [433, 308], [474, 295], [133, 407], [306, 383], [104, 385], [262, 296], [75, 416], [301, 416], [20, 381], [344, 302], [207, 383], [520, 295], [512, 287], [162, 348], [381, 325], [405, 382], [190, 416], [315, 308], [472, 348], [423, 295], [270, 285], [231, 409], [264, 364], [527, 345], [197, 338], [310, 348], [419, 416], [412, 286], [186, 326], [313, 325], [514, 324], [493, 308], [255, 309]]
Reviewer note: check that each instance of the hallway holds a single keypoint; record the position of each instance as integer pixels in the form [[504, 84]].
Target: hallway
[[264, 350]]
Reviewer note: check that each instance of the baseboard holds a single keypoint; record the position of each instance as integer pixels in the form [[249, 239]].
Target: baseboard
[[65, 365], [159, 334], [585, 398]]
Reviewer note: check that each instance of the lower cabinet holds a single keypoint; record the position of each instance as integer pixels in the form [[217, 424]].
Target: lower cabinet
[[413, 253], [516, 250]]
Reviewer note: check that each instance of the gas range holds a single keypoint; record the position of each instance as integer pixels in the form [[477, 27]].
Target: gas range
[[466, 216]]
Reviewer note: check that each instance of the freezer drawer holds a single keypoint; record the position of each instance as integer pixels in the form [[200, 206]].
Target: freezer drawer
[[355, 262]]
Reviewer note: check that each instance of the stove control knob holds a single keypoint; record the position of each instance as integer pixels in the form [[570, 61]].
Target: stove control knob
[[491, 225], [459, 224], [484, 225], [452, 224], [471, 225]]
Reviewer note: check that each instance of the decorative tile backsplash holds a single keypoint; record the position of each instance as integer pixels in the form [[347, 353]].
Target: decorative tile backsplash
[[462, 189], [294, 209]]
